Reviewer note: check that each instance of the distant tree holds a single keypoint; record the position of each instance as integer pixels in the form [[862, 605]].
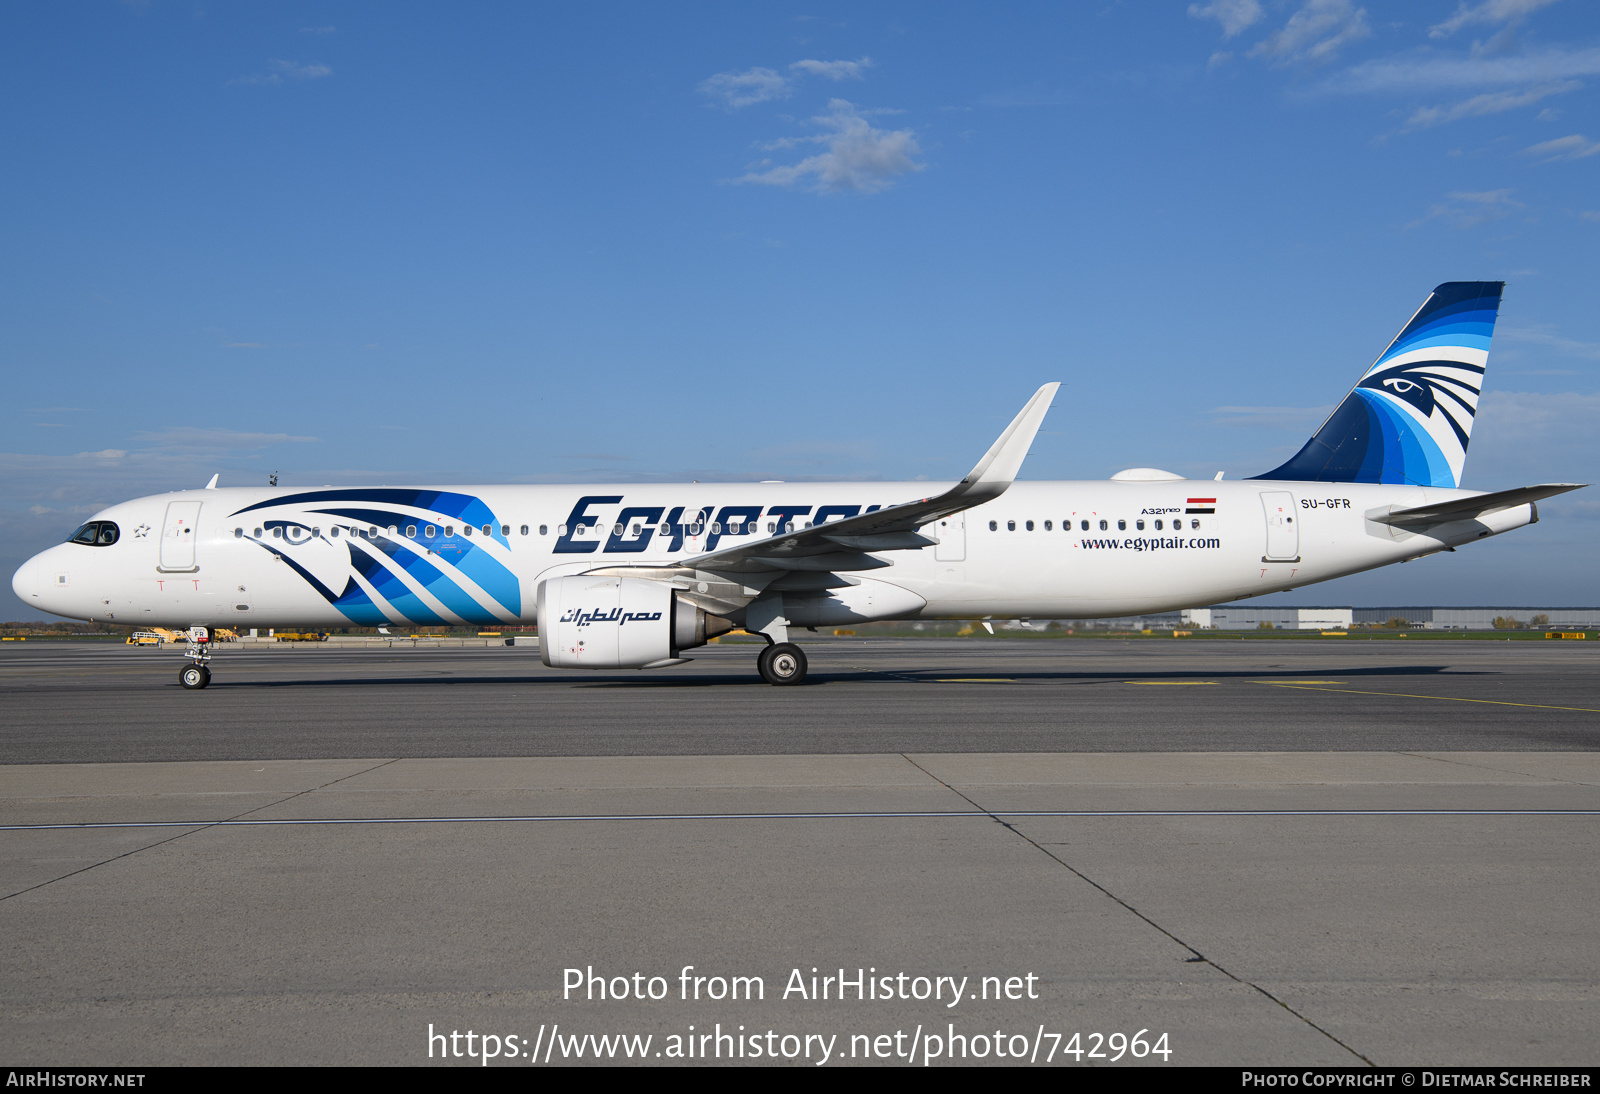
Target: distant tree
[[1266, 625], [1540, 620], [1507, 623], [1398, 623]]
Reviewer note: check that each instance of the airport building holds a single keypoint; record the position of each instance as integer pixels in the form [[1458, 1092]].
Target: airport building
[[1246, 618], [1240, 617]]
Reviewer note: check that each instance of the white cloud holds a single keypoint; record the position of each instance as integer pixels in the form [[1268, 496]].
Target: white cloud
[[833, 70], [740, 89], [736, 90], [1544, 336], [1531, 416], [106, 454], [197, 440], [1487, 12], [285, 70], [1469, 208], [1526, 436], [1234, 15], [1492, 102], [860, 157], [1315, 33], [1271, 417], [1573, 147], [1425, 71]]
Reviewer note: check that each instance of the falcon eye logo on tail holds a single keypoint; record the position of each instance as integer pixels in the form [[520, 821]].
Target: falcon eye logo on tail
[[1409, 418], [1443, 393]]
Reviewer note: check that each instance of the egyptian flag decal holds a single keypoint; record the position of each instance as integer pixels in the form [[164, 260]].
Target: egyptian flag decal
[[1202, 505]]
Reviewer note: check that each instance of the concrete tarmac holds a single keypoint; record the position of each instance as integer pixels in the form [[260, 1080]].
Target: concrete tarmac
[[1328, 936], [266, 886], [68, 703]]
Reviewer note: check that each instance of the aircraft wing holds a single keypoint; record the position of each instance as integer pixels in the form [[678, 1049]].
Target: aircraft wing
[[1468, 508], [844, 544]]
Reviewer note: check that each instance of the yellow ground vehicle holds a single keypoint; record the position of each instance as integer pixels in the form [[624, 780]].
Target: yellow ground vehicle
[[155, 636]]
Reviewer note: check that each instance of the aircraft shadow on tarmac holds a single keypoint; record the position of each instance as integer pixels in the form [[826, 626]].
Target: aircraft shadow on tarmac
[[861, 676]]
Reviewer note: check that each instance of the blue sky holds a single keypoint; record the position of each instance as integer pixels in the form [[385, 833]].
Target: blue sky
[[454, 244]]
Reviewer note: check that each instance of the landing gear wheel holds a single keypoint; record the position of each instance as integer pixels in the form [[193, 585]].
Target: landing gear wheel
[[784, 663], [194, 677]]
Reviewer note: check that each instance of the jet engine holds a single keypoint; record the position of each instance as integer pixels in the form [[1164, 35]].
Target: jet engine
[[618, 623]]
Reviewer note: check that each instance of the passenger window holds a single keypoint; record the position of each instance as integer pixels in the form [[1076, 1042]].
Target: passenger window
[[1029, 526], [449, 530], [1104, 526], [1011, 526], [488, 530], [466, 530], [1139, 524], [428, 530], [315, 532], [277, 533], [524, 530], [258, 533], [1194, 524], [372, 531], [1047, 526], [637, 529], [772, 527], [561, 529], [238, 533], [1085, 526], [993, 526], [1122, 526], [393, 531], [1158, 526], [411, 531], [334, 532], [544, 529]]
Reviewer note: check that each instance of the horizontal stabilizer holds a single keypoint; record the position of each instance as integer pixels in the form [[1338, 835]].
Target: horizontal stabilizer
[[1468, 508]]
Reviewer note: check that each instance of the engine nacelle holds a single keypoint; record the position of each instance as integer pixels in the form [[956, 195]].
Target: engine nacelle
[[618, 623]]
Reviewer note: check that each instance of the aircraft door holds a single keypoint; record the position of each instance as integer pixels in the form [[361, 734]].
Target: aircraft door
[[177, 537], [1283, 534], [951, 532]]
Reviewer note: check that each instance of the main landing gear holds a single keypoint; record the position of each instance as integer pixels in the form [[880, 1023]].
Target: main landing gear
[[782, 663]]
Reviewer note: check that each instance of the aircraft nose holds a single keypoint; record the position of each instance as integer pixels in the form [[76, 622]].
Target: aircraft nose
[[25, 582]]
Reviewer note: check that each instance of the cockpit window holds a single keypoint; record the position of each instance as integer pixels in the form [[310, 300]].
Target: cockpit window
[[97, 533]]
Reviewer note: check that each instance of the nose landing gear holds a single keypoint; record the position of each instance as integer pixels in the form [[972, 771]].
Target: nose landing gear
[[197, 674], [782, 663]]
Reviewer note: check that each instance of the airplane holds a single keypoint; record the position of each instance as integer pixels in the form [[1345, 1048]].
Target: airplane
[[634, 576]]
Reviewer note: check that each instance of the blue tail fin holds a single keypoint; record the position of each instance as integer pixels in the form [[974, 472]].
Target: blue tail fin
[[1408, 419]]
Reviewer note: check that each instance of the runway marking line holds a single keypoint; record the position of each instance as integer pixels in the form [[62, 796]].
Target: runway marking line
[[1172, 683], [976, 680], [965, 814], [1449, 698]]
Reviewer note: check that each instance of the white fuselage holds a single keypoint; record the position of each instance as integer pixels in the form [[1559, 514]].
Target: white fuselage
[[257, 558]]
